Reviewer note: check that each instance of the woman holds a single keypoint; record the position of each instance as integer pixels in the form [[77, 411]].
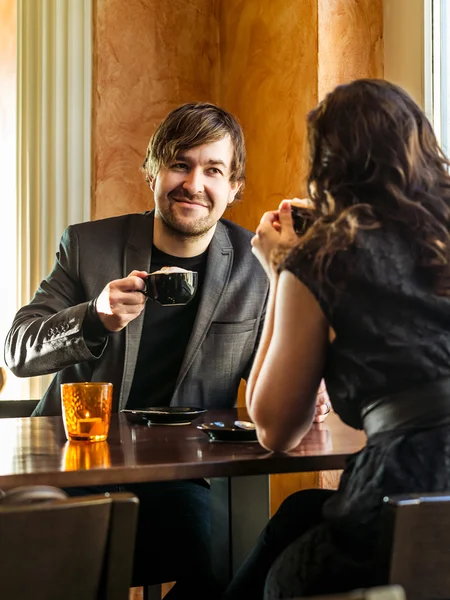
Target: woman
[[362, 299]]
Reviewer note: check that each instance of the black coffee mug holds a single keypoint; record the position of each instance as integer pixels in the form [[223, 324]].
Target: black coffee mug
[[171, 289]]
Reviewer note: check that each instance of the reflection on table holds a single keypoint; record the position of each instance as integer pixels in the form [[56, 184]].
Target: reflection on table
[[34, 450]]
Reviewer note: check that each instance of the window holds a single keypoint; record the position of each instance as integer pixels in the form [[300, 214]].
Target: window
[[8, 169], [45, 115], [437, 63]]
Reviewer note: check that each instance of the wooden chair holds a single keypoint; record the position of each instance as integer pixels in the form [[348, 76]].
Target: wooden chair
[[390, 592], [17, 408], [417, 543], [24, 408], [71, 548]]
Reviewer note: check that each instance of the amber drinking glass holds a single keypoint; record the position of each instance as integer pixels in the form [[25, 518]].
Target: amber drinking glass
[[86, 410]]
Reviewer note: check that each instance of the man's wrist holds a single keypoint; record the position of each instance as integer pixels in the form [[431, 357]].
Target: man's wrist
[[94, 332]]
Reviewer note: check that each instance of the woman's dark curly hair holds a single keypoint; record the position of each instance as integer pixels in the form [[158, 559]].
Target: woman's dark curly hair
[[374, 160]]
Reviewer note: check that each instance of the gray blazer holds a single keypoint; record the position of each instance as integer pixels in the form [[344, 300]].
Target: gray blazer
[[47, 337]]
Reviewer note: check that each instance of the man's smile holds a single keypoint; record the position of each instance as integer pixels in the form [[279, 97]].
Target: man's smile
[[190, 203]]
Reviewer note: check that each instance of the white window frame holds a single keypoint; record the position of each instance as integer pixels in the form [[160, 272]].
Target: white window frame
[[436, 55]]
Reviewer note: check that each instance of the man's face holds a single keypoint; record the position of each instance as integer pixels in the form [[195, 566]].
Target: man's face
[[192, 192]]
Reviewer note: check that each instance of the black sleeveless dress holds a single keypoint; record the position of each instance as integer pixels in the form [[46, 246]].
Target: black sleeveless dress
[[392, 333]]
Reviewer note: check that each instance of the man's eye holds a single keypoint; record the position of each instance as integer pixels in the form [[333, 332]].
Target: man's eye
[[179, 166], [215, 171]]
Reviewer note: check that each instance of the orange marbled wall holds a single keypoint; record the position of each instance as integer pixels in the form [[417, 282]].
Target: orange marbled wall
[[269, 80], [149, 57], [268, 61], [258, 59], [350, 41]]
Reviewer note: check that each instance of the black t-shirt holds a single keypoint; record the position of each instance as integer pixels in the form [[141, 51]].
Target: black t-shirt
[[165, 335]]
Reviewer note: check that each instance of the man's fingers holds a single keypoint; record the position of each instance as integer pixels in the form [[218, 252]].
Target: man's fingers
[[141, 274], [118, 304], [133, 283]]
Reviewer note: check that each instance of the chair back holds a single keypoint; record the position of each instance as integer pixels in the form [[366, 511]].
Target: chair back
[[417, 532], [388, 592], [73, 548], [17, 408]]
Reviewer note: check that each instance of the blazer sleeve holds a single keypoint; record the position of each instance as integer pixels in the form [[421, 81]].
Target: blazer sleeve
[[47, 334], [248, 368]]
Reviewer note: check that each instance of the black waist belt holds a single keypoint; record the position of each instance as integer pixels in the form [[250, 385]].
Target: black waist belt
[[426, 405]]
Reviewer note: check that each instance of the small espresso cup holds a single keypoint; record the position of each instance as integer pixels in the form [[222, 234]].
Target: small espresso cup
[[86, 409], [171, 288], [302, 218]]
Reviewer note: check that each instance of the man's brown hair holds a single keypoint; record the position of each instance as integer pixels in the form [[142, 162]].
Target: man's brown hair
[[192, 125]]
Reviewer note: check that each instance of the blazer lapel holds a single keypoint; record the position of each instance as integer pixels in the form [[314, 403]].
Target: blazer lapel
[[138, 255], [218, 269]]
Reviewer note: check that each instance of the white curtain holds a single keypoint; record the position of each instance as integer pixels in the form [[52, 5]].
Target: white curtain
[[54, 134]]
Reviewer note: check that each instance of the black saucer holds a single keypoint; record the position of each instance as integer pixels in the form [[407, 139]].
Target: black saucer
[[235, 431], [163, 415]]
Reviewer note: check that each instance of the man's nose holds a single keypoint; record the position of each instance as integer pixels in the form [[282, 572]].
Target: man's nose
[[193, 182]]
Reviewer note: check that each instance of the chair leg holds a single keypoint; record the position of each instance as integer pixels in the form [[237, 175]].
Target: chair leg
[[152, 592]]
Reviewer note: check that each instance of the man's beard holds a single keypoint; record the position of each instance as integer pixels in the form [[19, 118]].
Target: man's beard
[[185, 227]]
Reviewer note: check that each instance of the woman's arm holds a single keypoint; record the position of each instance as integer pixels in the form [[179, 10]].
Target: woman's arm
[[282, 396], [283, 383]]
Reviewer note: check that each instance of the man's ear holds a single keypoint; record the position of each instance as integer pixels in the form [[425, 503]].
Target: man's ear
[[235, 187]]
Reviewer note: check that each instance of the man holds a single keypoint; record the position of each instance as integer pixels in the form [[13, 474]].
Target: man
[[89, 321]]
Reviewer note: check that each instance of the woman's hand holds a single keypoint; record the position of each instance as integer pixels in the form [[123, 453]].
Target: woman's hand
[[275, 232], [323, 404]]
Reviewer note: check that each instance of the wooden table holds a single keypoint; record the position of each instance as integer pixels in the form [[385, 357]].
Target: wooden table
[[35, 451]]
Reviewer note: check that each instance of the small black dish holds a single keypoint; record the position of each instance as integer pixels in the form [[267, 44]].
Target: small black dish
[[163, 415], [236, 431]]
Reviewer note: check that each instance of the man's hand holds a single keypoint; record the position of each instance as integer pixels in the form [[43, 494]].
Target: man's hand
[[121, 301], [323, 404]]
